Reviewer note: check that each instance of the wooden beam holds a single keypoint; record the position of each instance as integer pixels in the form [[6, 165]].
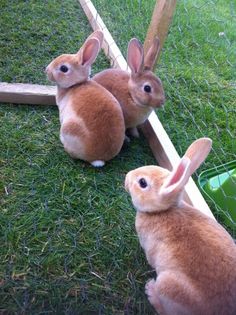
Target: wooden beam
[[161, 145], [20, 93], [160, 23], [110, 48]]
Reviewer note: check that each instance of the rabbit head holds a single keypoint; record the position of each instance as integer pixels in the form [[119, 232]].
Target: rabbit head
[[70, 69], [155, 189], [144, 86]]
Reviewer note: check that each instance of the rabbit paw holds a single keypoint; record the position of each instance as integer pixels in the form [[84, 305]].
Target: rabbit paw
[[133, 132], [151, 292], [150, 287], [127, 139]]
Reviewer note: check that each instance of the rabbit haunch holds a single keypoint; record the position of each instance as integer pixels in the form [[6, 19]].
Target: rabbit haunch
[[92, 123], [139, 92], [194, 256]]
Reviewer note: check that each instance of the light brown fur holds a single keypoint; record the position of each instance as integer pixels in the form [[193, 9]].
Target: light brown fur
[[92, 123], [105, 121], [128, 88], [194, 256]]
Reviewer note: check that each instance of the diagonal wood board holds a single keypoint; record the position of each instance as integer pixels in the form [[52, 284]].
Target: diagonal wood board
[[161, 145]]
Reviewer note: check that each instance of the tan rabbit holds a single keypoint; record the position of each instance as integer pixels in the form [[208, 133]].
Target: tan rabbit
[[194, 257], [92, 123], [139, 92]]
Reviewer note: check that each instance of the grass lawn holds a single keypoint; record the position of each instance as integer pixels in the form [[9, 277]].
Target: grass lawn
[[67, 229]]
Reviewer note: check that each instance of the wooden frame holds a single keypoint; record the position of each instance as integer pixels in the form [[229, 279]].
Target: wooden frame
[[161, 145], [27, 93]]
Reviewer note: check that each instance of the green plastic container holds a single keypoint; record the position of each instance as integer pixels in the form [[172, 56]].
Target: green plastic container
[[219, 184]]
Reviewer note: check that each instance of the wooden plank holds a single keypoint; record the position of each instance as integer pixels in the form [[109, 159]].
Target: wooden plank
[[21, 93], [160, 23], [110, 48], [161, 145]]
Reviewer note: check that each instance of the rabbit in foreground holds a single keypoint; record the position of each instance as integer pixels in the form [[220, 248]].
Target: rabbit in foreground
[[92, 123], [194, 257], [139, 92]]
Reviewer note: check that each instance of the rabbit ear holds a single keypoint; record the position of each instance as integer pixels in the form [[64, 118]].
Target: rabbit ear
[[193, 158], [197, 153], [151, 55], [135, 55], [98, 35], [89, 51], [177, 179]]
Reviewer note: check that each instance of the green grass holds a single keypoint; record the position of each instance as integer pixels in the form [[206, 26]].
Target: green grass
[[67, 230], [33, 33]]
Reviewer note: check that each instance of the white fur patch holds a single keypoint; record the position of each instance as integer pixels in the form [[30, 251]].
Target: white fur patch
[[172, 307], [65, 109], [68, 114], [73, 145], [98, 163]]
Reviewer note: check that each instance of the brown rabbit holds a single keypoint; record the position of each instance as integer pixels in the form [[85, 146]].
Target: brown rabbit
[[194, 257], [139, 92], [92, 123]]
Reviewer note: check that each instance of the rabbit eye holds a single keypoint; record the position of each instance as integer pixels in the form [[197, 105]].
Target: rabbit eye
[[142, 183], [147, 88], [64, 68]]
